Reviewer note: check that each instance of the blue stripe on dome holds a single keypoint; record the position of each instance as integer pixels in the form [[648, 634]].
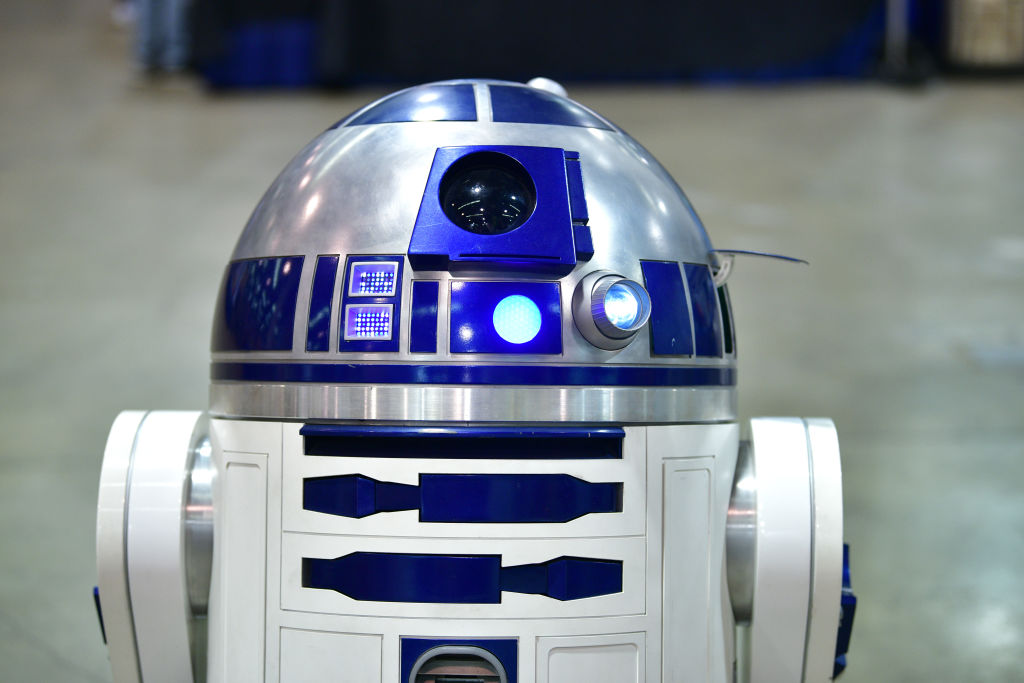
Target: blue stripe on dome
[[423, 103], [519, 104]]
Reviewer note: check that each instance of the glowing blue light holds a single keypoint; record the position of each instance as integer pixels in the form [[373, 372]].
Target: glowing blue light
[[516, 319], [622, 306]]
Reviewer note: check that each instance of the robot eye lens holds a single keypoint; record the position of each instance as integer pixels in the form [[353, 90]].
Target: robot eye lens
[[487, 193]]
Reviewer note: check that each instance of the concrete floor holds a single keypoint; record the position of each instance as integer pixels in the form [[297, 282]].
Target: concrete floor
[[120, 202]]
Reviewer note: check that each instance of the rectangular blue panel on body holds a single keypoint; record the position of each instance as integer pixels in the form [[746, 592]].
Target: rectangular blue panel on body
[[423, 328], [670, 316], [707, 325], [256, 310], [321, 298], [400, 577], [505, 317], [371, 303], [503, 649], [471, 443], [496, 498]]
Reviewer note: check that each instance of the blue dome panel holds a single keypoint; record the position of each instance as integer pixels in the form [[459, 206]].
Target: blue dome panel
[[518, 104], [423, 103]]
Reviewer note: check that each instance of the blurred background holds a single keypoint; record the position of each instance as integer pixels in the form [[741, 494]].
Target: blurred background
[[881, 141]]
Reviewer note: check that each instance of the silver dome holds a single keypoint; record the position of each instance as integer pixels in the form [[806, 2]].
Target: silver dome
[[357, 188]]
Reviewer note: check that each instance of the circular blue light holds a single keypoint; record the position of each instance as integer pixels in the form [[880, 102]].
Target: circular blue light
[[622, 306], [516, 319]]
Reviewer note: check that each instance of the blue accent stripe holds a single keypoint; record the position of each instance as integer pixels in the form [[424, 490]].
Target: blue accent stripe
[[707, 326], [318, 331], [504, 375], [423, 328], [464, 432], [472, 443], [256, 310], [670, 315], [458, 579]]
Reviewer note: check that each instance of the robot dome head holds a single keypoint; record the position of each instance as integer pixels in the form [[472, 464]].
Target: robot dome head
[[473, 251]]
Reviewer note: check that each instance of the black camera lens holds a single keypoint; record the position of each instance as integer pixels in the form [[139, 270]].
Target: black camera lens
[[487, 193]]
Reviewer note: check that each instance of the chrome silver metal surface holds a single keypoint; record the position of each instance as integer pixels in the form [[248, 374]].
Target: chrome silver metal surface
[[198, 541], [401, 403], [741, 536]]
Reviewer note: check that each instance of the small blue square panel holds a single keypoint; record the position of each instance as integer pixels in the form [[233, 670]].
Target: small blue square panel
[[373, 278], [368, 321], [506, 317]]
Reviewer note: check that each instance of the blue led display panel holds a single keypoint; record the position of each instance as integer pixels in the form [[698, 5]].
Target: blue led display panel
[[368, 321], [371, 303], [506, 317], [372, 278]]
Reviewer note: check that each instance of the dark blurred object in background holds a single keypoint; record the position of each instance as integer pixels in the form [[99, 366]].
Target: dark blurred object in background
[[341, 42], [301, 43]]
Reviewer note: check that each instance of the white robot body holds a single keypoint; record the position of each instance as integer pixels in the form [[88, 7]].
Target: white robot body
[[491, 439]]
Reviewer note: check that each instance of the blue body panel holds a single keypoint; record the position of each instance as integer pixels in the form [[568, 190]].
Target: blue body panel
[[472, 443], [670, 316], [472, 326], [256, 309], [321, 298], [462, 579], [423, 327], [707, 325], [465, 498]]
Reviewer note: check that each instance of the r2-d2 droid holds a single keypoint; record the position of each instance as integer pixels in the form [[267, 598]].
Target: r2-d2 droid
[[472, 419]]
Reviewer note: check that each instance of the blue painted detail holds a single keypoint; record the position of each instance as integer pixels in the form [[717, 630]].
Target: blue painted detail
[[543, 244], [99, 612], [464, 498], [670, 317], [473, 317], [401, 577], [577, 200], [507, 375], [707, 325], [848, 606], [321, 298], [519, 104], [583, 242], [461, 579], [422, 103], [565, 578], [536, 443], [371, 320], [423, 328], [538, 498], [503, 649], [257, 305], [353, 495]]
